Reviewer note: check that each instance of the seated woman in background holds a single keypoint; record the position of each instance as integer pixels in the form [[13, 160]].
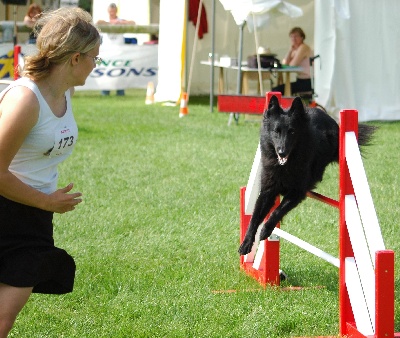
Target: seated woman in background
[[30, 18], [298, 55]]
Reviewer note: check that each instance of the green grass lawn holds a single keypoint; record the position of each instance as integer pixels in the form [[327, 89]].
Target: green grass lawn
[[158, 230]]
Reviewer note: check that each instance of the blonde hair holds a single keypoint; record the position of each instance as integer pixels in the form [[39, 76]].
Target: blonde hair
[[60, 33]]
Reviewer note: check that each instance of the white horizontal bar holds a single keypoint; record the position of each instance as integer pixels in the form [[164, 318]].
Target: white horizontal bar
[[363, 195], [357, 300], [365, 267], [249, 258], [253, 184], [259, 256], [307, 246]]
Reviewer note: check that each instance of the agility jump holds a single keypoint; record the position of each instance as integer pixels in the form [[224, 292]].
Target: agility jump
[[366, 268]]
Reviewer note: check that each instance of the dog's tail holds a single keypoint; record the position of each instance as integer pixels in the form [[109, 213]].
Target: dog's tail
[[365, 134]]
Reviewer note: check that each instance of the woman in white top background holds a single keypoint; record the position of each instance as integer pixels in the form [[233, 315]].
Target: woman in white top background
[[113, 19], [37, 132]]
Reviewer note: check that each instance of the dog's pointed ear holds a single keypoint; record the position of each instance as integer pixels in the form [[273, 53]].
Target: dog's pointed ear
[[273, 106], [297, 106]]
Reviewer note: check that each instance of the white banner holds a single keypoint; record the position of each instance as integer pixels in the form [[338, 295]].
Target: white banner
[[124, 66]]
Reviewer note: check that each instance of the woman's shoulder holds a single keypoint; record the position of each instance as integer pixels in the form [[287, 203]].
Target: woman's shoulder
[[21, 94], [22, 104], [25, 82], [304, 51], [304, 47]]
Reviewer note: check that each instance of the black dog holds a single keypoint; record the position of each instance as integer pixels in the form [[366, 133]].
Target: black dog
[[297, 144]]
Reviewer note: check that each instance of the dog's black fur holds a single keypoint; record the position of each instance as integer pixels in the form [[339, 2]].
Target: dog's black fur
[[297, 144]]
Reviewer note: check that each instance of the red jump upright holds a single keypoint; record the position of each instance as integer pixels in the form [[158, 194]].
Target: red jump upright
[[17, 52]]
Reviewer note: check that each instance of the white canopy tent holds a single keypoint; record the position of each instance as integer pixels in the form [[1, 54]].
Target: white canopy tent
[[357, 41], [257, 14], [226, 40], [359, 45], [172, 44]]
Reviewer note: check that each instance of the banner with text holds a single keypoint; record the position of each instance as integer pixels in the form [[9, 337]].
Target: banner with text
[[123, 66]]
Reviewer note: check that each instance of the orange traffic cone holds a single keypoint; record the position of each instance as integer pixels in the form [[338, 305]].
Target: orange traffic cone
[[184, 109], [150, 93]]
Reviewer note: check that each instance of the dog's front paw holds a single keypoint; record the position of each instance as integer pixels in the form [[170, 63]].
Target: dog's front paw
[[246, 246], [265, 232]]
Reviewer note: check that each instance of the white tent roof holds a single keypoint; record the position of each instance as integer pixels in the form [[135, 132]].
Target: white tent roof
[[263, 10]]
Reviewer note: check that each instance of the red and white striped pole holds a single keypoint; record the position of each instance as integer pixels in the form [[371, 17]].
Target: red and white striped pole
[[348, 122], [17, 52]]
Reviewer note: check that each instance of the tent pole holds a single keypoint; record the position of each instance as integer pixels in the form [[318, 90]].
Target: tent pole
[[240, 57], [239, 82], [196, 38], [212, 58], [185, 84]]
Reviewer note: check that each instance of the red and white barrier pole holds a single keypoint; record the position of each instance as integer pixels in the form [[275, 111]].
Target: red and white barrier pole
[[348, 122], [384, 293], [17, 52]]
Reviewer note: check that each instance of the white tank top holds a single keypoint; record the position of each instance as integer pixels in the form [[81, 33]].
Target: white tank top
[[48, 143]]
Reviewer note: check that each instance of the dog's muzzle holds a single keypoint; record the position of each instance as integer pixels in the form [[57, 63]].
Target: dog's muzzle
[[282, 160]]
